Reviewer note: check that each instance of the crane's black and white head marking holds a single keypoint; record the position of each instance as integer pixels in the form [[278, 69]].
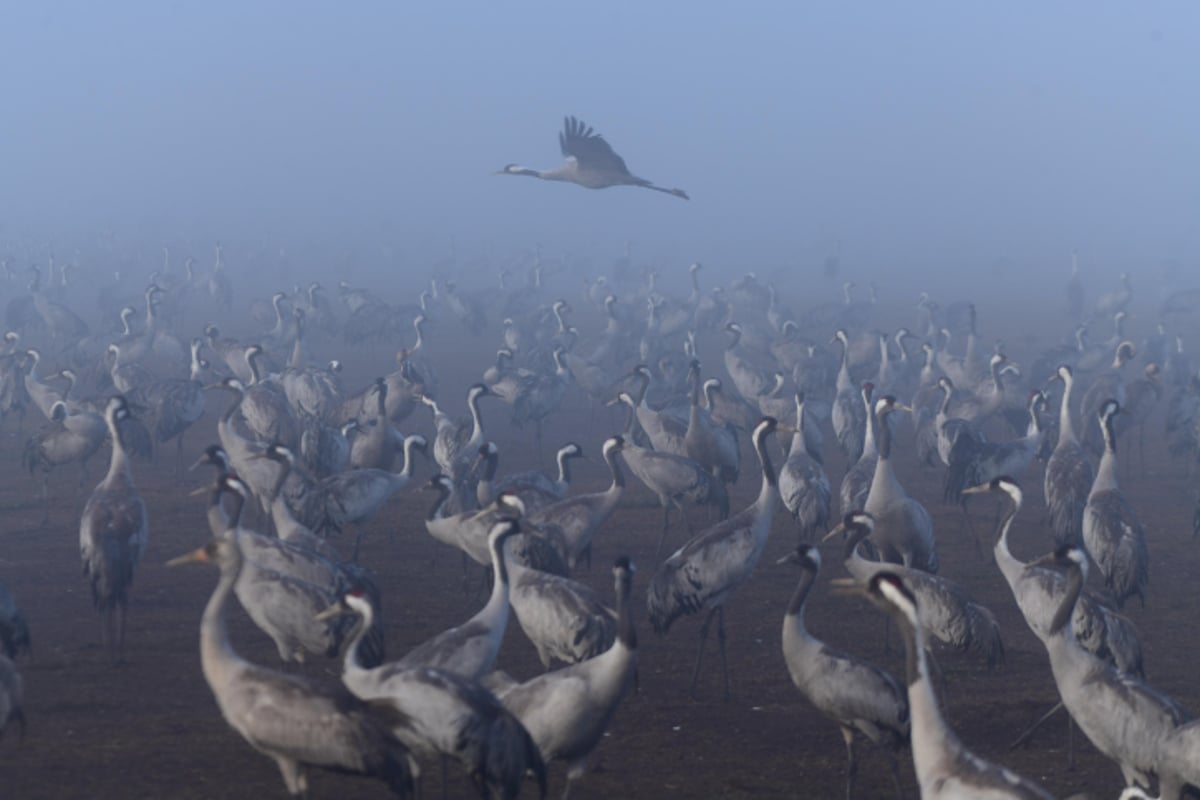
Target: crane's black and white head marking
[[510, 502], [889, 588], [1109, 408], [503, 530], [441, 483], [335, 366], [1126, 350], [278, 452], [417, 440], [733, 327], [1064, 373], [118, 407], [487, 449], [694, 365], [859, 519], [765, 426], [613, 444], [713, 383], [1010, 487], [58, 411], [479, 390], [945, 383], [623, 564], [868, 388], [233, 483], [233, 384], [571, 450], [808, 557]]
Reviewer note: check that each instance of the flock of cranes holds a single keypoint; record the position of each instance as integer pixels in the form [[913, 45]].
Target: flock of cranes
[[801, 403]]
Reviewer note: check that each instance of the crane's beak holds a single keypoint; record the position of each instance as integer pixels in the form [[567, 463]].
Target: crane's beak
[[335, 610], [198, 492], [840, 530], [982, 488], [848, 587], [790, 558], [197, 556]]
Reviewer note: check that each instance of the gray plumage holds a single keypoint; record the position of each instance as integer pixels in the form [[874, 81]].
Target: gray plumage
[[945, 767], [803, 484], [858, 697], [563, 619], [903, 530], [707, 571], [441, 713], [12, 695], [295, 722], [1123, 717], [1038, 590], [945, 611], [591, 163], [1069, 473], [856, 483], [1112, 532], [14, 630], [113, 533], [567, 711]]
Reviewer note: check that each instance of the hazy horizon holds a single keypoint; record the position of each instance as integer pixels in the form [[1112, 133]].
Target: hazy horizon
[[919, 137]]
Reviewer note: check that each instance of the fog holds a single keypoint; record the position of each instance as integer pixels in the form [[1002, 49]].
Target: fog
[[979, 137]]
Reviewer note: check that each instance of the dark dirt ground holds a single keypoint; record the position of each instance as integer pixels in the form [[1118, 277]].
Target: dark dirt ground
[[150, 728]]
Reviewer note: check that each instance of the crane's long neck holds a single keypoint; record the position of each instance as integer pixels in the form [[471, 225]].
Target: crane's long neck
[[407, 470], [476, 420], [870, 447], [118, 464], [418, 326], [884, 431], [564, 468], [932, 739], [439, 504], [1106, 472], [618, 474], [843, 376], [217, 656], [626, 631], [1009, 564], [1060, 624], [769, 492], [795, 609], [352, 669], [1066, 433]]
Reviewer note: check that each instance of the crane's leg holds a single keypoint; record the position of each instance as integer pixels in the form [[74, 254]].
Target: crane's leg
[[700, 651], [974, 534], [1024, 738], [46, 498], [851, 762], [179, 457], [122, 610], [662, 538], [721, 642], [895, 767]]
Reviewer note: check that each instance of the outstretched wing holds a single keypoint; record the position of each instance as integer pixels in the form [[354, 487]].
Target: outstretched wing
[[589, 148]]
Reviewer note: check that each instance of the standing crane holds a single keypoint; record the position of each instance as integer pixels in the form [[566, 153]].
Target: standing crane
[[591, 163], [945, 767], [706, 572], [289, 718], [859, 697], [441, 713], [113, 532]]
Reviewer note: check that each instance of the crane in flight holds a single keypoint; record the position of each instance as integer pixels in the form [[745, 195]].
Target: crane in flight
[[591, 162]]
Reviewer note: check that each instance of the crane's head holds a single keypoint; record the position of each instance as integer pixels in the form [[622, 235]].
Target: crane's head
[[807, 556]]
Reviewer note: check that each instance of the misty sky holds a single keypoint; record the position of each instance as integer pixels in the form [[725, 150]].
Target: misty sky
[[932, 133]]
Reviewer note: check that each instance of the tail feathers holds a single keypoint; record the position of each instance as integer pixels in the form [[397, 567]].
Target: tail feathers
[[510, 753]]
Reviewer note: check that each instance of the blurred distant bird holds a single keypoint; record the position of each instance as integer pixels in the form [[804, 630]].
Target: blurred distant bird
[[591, 163]]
